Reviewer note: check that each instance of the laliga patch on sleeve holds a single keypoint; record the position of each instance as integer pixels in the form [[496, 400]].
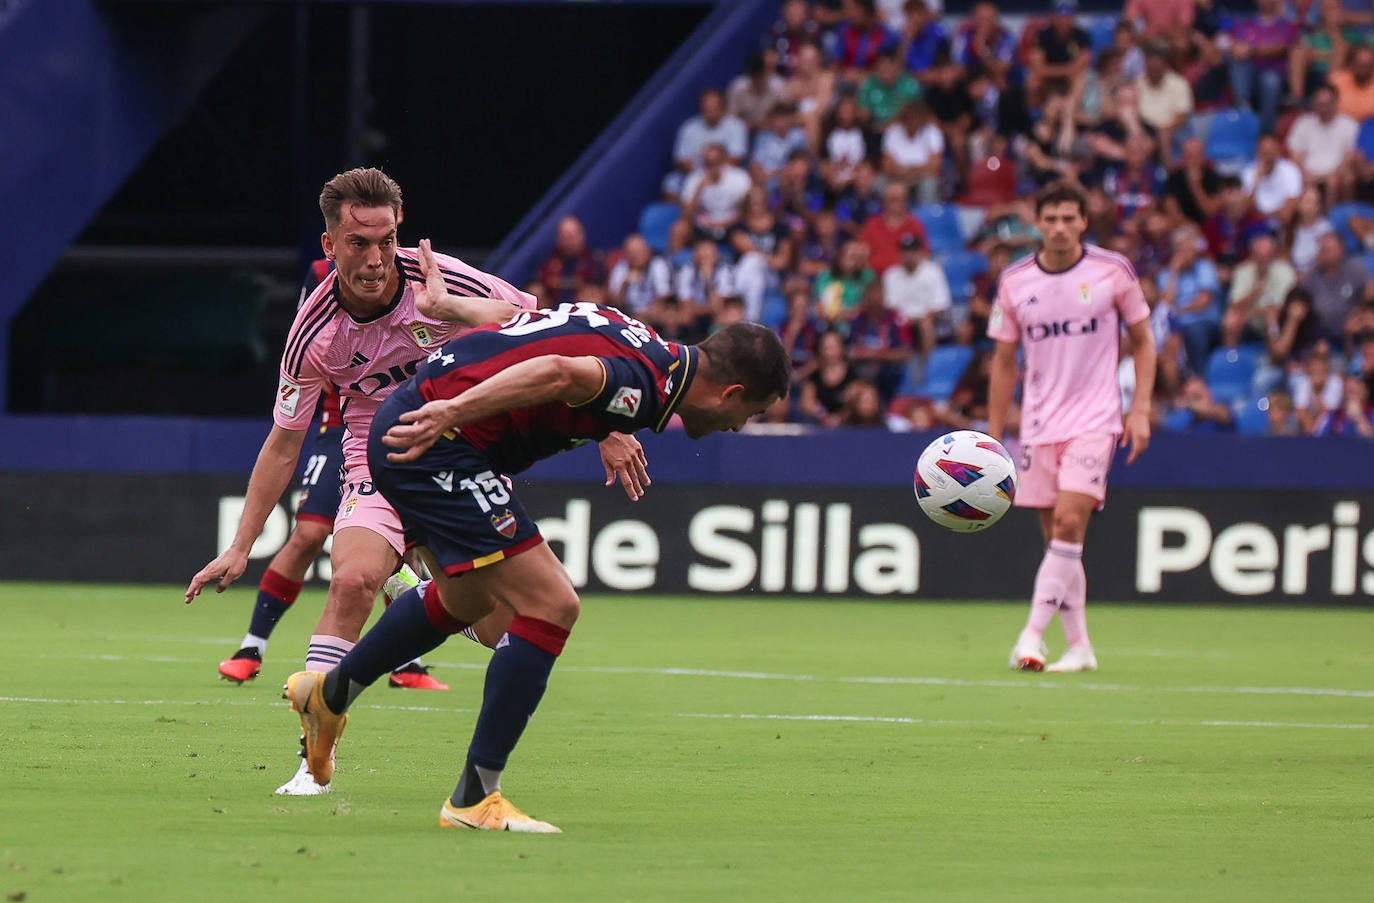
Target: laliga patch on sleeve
[[995, 318], [288, 393], [626, 401]]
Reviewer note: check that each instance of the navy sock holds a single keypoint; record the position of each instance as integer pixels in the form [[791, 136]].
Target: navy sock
[[516, 679], [413, 624], [275, 595]]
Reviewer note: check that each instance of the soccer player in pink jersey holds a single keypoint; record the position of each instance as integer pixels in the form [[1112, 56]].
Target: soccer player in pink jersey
[[366, 330], [1065, 306]]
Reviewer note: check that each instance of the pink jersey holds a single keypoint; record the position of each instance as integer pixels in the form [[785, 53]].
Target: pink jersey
[[1069, 325], [367, 360]]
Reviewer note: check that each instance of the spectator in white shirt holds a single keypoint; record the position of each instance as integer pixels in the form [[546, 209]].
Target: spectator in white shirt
[[1164, 98], [1322, 142], [1258, 287], [711, 126], [712, 196], [752, 94], [1273, 182], [917, 289], [913, 151]]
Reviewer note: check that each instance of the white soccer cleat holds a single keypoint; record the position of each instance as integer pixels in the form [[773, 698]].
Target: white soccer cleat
[[1078, 658], [1028, 657], [303, 784]]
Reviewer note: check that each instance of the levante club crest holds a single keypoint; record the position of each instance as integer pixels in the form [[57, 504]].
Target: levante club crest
[[504, 523]]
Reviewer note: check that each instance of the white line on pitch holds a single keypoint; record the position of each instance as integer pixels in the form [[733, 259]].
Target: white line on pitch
[[1025, 683], [889, 719], [211, 703]]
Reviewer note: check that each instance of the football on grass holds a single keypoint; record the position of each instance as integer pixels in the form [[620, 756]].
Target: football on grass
[[965, 481]]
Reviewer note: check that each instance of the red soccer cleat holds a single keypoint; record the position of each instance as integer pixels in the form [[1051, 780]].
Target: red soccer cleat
[[415, 677], [243, 667]]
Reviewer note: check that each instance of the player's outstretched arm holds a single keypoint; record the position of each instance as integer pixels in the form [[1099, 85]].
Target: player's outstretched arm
[[1001, 385], [1135, 430], [433, 299], [623, 458], [272, 473], [540, 380]]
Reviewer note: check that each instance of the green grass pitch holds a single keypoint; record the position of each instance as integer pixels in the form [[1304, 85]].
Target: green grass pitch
[[702, 749]]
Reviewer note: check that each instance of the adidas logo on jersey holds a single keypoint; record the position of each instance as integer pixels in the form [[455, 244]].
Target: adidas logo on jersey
[[358, 359]]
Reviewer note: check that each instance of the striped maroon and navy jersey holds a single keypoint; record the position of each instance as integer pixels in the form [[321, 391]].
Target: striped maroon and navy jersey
[[645, 380]]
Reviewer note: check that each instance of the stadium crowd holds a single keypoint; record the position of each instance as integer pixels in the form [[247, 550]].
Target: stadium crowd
[[864, 180]]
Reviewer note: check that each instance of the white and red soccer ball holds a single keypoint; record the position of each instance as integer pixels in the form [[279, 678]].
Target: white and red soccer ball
[[965, 481]]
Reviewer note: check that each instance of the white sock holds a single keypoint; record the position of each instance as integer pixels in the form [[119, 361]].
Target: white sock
[[254, 642]]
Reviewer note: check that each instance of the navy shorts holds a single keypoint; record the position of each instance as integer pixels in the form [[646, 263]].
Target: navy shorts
[[317, 496], [451, 501]]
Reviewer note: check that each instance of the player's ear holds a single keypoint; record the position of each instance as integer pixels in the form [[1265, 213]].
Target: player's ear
[[734, 391], [400, 216], [327, 244]]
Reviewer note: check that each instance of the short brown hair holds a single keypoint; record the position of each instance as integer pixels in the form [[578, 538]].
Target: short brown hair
[[750, 355], [366, 187], [1061, 192]]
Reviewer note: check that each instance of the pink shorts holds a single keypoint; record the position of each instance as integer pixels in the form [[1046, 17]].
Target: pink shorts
[[1079, 464], [362, 505]]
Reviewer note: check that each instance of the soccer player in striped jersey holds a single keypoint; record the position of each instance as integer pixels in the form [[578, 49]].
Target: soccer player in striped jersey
[[486, 405], [1065, 307], [365, 329]]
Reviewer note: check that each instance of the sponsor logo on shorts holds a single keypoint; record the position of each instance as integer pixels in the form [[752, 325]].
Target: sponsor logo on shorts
[[288, 393], [422, 334], [505, 523], [626, 401]]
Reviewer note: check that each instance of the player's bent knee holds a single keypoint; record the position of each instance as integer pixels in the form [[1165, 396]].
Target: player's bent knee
[[354, 588]]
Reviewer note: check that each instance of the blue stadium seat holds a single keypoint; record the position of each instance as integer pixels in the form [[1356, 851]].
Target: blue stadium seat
[[1252, 416], [1102, 30], [1365, 142], [945, 366], [1232, 139], [960, 269], [1340, 221], [1178, 421], [942, 227], [774, 309], [655, 221], [1230, 372]]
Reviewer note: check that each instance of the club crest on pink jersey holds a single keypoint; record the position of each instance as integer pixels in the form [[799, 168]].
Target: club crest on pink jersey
[[423, 338], [505, 523]]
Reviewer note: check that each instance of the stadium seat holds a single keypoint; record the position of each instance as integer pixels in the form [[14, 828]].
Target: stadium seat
[[1252, 416], [1102, 30], [942, 227], [1365, 142], [774, 309], [655, 221], [1178, 421], [960, 269], [944, 368], [1232, 139], [1230, 371], [1340, 221]]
